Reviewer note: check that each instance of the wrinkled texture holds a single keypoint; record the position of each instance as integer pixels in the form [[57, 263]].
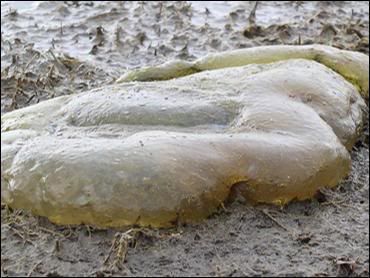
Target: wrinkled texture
[[352, 65], [155, 153]]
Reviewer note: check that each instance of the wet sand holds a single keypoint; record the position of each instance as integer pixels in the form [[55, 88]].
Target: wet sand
[[53, 49]]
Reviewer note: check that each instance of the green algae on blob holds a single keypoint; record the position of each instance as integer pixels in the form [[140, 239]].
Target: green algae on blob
[[155, 153]]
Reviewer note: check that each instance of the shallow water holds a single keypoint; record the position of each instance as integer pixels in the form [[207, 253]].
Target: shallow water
[[140, 28]]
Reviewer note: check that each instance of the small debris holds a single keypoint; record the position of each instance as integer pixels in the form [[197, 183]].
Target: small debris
[[346, 266]]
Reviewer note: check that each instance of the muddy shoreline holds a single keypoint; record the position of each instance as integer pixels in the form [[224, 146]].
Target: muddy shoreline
[[53, 49]]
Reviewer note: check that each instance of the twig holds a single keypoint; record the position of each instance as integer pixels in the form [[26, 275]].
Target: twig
[[29, 62], [252, 15], [122, 251], [22, 237], [33, 268], [51, 232], [111, 248], [120, 245], [265, 212], [222, 205], [88, 230], [56, 59], [336, 204]]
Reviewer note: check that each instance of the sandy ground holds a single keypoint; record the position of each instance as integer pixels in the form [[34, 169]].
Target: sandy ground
[[50, 49]]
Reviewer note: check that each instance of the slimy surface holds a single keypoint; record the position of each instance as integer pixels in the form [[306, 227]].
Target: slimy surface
[[354, 66], [278, 122]]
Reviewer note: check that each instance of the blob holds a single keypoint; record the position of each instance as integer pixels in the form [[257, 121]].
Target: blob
[[171, 143]]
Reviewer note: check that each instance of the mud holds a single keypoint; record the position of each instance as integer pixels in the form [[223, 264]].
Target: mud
[[326, 236]]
